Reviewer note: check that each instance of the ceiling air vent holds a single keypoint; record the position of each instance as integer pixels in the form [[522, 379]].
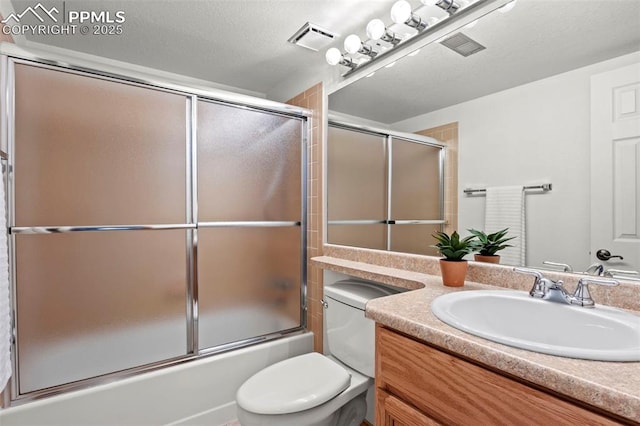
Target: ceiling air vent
[[462, 44], [312, 37]]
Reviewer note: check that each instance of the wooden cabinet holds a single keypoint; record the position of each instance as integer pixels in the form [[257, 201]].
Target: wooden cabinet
[[392, 411], [418, 384]]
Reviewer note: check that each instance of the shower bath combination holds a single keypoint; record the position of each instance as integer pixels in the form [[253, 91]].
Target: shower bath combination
[[146, 217]]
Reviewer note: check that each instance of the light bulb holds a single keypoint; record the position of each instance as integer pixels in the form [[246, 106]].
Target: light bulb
[[401, 12], [352, 44], [507, 7], [375, 29], [333, 56]]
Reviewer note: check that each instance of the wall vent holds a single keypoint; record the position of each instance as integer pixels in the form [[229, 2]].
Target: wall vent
[[462, 44], [312, 37]]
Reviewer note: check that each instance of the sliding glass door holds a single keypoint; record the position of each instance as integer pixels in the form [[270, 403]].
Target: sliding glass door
[[249, 223], [416, 208], [148, 225], [383, 191], [96, 158], [356, 188]]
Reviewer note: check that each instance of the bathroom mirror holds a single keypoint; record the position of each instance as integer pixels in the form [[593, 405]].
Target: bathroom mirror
[[523, 110]]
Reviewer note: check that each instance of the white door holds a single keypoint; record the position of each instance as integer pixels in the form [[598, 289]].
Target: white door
[[615, 157]]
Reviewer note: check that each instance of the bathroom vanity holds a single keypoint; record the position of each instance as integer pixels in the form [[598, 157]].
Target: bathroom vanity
[[419, 384], [430, 373]]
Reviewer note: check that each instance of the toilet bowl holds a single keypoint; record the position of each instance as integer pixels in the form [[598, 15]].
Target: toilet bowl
[[315, 389]]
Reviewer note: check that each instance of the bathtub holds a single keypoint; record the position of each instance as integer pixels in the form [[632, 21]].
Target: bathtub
[[196, 392], [90, 355]]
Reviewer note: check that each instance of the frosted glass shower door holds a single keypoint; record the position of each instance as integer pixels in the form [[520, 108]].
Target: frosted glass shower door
[[95, 159], [416, 209], [356, 188], [249, 223], [93, 303]]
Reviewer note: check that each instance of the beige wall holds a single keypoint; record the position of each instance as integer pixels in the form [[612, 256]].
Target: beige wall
[[312, 99]]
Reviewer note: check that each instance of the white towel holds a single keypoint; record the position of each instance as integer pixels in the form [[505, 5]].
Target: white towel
[[5, 311], [505, 209]]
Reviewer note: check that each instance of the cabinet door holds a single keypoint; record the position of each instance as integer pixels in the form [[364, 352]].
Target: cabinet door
[[393, 412], [457, 392]]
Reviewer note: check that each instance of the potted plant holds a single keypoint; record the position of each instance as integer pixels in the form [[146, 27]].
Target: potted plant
[[453, 266], [487, 245]]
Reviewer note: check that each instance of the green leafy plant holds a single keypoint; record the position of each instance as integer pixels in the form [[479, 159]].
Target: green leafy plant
[[453, 247], [489, 244]]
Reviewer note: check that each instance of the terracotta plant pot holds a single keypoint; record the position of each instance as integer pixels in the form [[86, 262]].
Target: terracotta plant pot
[[494, 258], [453, 272]]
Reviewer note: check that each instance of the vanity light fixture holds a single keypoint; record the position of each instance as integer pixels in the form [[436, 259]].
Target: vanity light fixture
[[471, 24], [401, 14], [353, 45], [507, 7], [335, 57], [449, 6], [376, 30]]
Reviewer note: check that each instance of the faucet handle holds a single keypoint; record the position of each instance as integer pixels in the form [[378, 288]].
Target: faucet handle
[[528, 271], [582, 297], [565, 266], [612, 272], [538, 290]]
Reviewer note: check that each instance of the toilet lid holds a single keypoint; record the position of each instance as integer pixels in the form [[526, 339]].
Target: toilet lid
[[293, 385]]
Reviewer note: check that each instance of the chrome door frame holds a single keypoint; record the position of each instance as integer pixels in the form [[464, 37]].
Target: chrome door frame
[[11, 55]]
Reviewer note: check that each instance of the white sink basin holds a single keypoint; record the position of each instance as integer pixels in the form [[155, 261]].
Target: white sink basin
[[516, 319]]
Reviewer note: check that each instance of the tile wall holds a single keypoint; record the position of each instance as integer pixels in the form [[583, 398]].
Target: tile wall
[[312, 99]]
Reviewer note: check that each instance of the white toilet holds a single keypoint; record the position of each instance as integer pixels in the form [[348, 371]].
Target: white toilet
[[314, 389]]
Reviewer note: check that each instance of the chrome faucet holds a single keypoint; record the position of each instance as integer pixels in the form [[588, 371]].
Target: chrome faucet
[[565, 267], [595, 269], [612, 272], [599, 270], [554, 291]]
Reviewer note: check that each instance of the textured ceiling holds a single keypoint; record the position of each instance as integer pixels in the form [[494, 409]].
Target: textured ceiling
[[241, 43], [537, 39]]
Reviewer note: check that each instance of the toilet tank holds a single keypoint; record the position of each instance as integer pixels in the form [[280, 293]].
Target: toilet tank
[[351, 336]]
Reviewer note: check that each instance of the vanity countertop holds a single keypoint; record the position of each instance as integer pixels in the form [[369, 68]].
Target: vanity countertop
[[612, 386]]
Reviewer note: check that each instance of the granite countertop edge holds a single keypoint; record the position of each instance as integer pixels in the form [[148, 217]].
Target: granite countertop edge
[[611, 386]]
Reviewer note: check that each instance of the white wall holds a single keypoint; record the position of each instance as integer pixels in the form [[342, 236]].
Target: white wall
[[531, 134]]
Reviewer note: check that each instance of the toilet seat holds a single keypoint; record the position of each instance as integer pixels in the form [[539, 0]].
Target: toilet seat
[[293, 385]]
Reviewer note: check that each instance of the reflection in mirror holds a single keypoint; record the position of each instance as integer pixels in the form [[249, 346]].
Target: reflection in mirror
[[384, 191], [532, 108]]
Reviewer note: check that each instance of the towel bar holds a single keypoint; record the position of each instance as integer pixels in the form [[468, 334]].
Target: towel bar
[[545, 187]]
